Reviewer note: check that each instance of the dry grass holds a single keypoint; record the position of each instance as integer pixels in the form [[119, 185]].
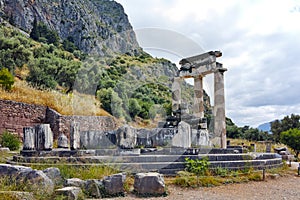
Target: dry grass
[[66, 104]]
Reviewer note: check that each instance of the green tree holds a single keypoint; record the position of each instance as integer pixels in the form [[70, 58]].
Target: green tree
[[134, 108], [110, 101], [279, 126], [6, 79], [291, 138]]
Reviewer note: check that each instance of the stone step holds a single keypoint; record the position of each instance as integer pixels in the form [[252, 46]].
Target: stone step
[[144, 158]]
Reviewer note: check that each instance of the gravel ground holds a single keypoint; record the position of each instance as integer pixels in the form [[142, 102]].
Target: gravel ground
[[282, 188]]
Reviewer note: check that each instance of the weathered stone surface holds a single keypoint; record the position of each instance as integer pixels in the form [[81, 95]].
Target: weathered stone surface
[[44, 137], [15, 195], [79, 20], [62, 141], [183, 137], [114, 184], [149, 184], [36, 181], [70, 193], [54, 174], [93, 188], [126, 137], [155, 137], [28, 138], [97, 140], [200, 137], [12, 170], [76, 182], [74, 136]]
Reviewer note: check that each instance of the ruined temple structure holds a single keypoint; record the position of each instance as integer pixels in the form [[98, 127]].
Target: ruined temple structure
[[198, 67]]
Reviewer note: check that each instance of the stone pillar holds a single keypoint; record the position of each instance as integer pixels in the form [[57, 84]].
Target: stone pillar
[[219, 107], [44, 137], [29, 138], [183, 137], [74, 136], [198, 97], [176, 93]]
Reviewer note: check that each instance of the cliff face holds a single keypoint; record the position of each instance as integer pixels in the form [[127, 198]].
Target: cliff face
[[98, 27]]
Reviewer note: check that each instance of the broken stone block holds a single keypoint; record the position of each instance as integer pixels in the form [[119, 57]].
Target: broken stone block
[[74, 136], [76, 182], [70, 193], [62, 141], [36, 181], [54, 174], [114, 184], [29, 138], [150, 184], [126, 137], [44, 137], [183, 137], [93, 188]]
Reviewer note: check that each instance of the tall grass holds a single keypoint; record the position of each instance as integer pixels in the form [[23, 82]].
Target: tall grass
[[66, 104]]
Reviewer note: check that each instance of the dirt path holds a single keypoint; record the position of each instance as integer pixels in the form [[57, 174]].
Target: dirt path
[[282, 188]]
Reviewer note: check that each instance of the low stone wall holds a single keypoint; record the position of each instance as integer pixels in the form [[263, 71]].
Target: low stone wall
[[14, 116]]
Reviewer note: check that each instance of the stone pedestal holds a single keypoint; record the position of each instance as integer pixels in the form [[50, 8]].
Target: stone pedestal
[[200, 137], [29, 138], [74, 136], [183, 137], [44, 137]]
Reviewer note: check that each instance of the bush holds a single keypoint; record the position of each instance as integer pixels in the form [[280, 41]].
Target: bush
[[10, 140], [6, 79]]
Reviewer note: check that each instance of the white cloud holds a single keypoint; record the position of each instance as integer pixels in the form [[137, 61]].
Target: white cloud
[[259, 41]]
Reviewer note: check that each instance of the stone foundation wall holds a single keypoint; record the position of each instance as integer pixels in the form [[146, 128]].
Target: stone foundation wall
[[14, 116]]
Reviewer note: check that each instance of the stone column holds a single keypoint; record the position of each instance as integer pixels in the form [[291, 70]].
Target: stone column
[[198, 97], [74, 136], [44, 137], [219, 107], [28, 138], [176, 93]]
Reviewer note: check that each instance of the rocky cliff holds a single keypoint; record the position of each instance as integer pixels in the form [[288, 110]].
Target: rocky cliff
[[98, 27]]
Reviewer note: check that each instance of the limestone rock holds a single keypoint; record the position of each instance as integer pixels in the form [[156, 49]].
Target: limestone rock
[[149, 184], [70, 193], [76, 182], [126, 137], [28, 138], [98, 27], [62, 141], [54, 174], [97, 139], [114, 184], [36, 181], [12, 170], [93, 188]]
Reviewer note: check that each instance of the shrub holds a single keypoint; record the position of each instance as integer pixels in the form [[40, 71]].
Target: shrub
[[10, 140], [6, 79]]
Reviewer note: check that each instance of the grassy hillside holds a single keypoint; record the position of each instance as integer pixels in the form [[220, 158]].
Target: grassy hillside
[[66, 104]]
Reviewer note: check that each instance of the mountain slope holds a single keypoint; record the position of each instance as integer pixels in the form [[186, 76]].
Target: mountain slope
[[98, 27]]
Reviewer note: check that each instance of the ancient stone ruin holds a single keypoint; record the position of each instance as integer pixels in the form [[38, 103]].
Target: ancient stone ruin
[[197, 67], [162, 149]]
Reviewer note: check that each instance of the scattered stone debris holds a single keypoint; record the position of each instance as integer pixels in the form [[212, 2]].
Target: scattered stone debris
[[149, 184]]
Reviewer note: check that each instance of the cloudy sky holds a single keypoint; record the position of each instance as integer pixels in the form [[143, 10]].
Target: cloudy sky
[[260, 41]]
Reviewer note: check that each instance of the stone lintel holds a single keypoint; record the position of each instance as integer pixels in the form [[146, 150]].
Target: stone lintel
[[200, 58], [203, 70]]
